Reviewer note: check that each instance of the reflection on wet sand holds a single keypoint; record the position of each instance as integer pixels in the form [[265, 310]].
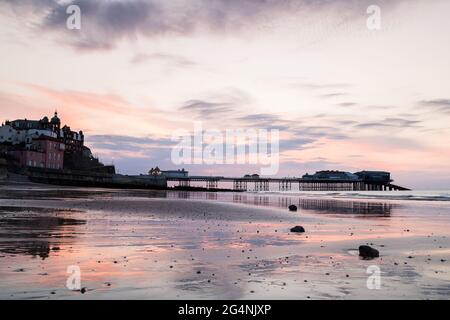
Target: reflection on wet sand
[[195, 245], [327, 206], [36, 234], [330, 206], [322, 205], [379, 209]]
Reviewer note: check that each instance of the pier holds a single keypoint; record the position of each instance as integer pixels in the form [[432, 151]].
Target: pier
[[286, 184]]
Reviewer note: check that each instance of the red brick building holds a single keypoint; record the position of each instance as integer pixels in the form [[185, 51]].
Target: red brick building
[[43, 152]]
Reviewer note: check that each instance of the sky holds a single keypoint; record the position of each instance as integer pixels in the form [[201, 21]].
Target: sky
[[343, 96]]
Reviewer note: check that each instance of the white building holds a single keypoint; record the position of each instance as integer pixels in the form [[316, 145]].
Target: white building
[[175, 173], [13, 136], [36, 133]]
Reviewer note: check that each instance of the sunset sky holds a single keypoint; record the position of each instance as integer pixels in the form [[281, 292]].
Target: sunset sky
[[343, 96]]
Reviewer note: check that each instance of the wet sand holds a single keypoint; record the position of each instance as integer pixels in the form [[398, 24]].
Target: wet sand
[[187, 245]]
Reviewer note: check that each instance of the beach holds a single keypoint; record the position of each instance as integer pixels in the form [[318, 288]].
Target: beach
[[138, 244]]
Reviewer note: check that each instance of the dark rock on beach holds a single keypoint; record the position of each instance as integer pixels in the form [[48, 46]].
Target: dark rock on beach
[[298, 229], [292, 207], [368, 252]]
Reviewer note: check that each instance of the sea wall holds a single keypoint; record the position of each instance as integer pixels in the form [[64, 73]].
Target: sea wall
[[93, 179], [3, 170], [143, 181]]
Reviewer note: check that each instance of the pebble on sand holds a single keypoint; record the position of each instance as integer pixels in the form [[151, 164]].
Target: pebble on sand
[[368, 252], [298, 229]]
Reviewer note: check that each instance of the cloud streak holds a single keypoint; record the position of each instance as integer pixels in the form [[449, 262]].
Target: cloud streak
[[439, 105], [105, 23], [170, 59], [390, 123], [206, 109]]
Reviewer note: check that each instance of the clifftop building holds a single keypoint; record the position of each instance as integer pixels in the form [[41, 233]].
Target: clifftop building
[[42, 152], [44, 143], [24, 130]]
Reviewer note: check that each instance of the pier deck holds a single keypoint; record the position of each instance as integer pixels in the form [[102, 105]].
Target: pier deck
[[288, 184]]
